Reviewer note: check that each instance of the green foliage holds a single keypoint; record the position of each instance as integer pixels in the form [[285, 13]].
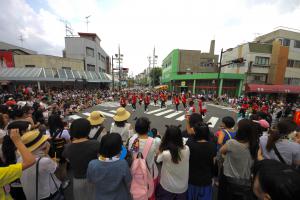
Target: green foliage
[[155, 75]]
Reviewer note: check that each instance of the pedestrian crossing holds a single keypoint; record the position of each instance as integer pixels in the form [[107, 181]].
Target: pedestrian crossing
[[223, 107], [161, 112]]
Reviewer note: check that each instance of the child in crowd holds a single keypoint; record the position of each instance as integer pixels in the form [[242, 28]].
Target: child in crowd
[[109, 174]]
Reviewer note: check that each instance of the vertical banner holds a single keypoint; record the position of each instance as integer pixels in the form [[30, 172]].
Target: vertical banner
[[6, 59]]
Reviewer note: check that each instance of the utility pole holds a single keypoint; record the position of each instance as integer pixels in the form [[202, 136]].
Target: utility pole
[[219, 73], [119, 57], [152, 60], [112, 73]]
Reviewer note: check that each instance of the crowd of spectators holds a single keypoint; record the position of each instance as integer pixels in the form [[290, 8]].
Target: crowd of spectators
[[247, 159]]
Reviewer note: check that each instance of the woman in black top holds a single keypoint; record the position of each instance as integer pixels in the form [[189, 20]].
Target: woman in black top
[[202, 154]]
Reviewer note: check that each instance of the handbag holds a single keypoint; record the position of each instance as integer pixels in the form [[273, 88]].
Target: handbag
[[58, 195]]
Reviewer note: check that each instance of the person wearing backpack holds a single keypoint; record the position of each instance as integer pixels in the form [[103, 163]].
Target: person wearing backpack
[[148, 146], [226, 131], [174, 156], [59, 137], [97, 129], [110, 173]]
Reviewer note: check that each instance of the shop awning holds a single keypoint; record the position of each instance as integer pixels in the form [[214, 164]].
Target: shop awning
[[51, 74], [258, 88]]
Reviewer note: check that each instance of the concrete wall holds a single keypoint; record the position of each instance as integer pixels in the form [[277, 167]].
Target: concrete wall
[[47, 61], [75, 47], [195, 60], [292, 72]]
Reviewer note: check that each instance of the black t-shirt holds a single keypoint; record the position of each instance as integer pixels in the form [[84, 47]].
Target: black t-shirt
[[201, 162], [79, 156]]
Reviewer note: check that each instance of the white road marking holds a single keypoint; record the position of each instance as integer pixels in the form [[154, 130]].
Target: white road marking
[[107, 114], [86, 114], [164, 112], [154, 111], [213, 121], [173, 114], [74, 117], [181, 118], [113, 111]]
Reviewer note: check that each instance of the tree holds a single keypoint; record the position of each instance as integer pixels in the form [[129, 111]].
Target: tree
[[155, 75]]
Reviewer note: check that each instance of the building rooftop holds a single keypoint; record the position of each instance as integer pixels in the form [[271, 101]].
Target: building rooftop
[[7, 46], [91, 35]]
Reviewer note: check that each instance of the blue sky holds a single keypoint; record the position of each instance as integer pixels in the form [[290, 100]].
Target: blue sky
[[139, 25]]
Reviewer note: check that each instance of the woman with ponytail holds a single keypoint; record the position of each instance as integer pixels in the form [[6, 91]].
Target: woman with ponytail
[[277, 146]]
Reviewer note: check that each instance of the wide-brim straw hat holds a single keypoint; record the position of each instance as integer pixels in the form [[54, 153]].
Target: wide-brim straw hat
[[33, 139], [96, 118], [121, 115]]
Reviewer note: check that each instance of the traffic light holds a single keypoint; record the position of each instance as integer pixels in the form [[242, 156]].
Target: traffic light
[[239, 60]]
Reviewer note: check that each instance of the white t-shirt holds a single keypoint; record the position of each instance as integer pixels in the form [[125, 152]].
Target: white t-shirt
[[175, 177], [45, 183], [65, 134], [125, 131]]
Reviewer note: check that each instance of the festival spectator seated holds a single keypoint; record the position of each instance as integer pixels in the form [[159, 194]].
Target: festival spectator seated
[[97, 128], [109, 174], [275, 181], [12, 172], [79, 153], [201, 163], [120, 124], [174, 156], [288, 152]]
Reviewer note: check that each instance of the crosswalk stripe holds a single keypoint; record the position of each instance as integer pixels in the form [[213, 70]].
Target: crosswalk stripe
[[86, 114], [107, 114], [181, 118], [154, 111], [162, 113], [173, 114], [213, 121], [113, 111], [74, 117]]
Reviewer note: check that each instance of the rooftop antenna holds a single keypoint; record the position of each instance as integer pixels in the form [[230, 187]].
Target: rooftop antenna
[[68, 29], [87, 22], [21, 40]]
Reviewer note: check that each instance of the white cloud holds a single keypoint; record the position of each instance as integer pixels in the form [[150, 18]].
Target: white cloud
[[139, 25]]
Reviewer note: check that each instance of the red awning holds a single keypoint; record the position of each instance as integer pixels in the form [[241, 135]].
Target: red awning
[[273, 88]]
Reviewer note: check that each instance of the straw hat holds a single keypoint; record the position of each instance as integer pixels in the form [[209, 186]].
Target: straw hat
[[96, 118], [33, 139], [121, 115]]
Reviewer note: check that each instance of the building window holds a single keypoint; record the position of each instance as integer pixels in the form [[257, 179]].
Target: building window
[[262, 60], [90, 67], [102, 58], [29, 65], [90, 52], [296, 44], [99, 56], [286, 42], [294, 63]]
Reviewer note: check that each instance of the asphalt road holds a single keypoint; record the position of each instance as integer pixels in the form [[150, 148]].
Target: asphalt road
[[161, 117]]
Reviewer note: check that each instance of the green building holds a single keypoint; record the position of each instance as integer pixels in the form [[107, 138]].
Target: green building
[[192, 70]]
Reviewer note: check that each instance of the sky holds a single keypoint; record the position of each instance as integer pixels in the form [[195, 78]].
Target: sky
[[140, 25]]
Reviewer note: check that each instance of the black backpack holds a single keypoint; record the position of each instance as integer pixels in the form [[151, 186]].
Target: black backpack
[[57, 145]]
